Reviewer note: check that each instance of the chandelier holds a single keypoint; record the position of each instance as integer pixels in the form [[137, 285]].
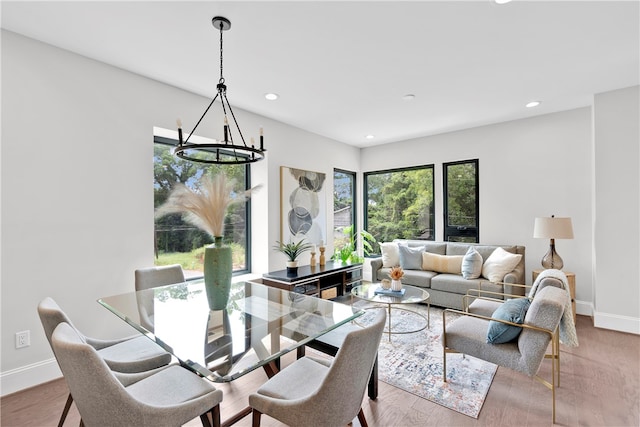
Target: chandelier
[[226, 151]]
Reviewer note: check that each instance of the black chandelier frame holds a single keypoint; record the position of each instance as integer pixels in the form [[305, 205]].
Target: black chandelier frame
[[224, 152]]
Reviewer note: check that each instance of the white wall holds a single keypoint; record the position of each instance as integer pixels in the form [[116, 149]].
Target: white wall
[[533, 167], [617, 209], [77, 196]]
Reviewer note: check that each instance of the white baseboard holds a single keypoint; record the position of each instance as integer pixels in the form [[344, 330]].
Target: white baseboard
[[616, 322], [29, 376]]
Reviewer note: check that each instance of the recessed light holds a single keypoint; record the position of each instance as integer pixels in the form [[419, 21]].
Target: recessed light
[[409, 97], [271, 96], [501, 1], [369, 136], [532, 104]]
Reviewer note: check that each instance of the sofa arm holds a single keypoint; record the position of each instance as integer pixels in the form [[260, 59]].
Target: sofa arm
[[376, 264]]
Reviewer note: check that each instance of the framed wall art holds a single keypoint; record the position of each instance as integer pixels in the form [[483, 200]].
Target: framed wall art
[[303, 206]]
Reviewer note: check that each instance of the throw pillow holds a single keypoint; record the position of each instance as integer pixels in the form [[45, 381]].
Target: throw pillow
[[390, 254], [411, 257], [499, 263], [471, 264], [513, 310], [441, 263]]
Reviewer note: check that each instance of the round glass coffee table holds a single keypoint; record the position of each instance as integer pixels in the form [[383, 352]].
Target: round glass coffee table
[[411, 295]]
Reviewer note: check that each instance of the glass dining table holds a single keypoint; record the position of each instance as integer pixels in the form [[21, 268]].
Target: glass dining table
[[259, 325]]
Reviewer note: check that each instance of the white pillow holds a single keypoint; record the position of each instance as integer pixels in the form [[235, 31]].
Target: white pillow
[[471, 264], [499, 263], [390, 254]]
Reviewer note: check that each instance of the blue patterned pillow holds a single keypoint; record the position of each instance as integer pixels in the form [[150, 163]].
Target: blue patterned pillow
[[411, 257], [513, 310]]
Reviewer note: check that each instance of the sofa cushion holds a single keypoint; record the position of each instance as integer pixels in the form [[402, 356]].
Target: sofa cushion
[[471, 267], [513, 310], [419, 278], [390, 254], [411, 257], [457, 284], [441, 263], [499, 263]]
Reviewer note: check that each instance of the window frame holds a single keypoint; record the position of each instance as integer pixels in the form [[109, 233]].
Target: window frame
[[354, 198], [171, 142], [365, 194], [460, 231]]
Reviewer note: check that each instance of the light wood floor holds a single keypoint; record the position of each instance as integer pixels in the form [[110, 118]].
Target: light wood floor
[[600, 386]]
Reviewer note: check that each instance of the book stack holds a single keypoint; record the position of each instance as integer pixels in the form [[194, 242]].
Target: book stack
[[382, 291]]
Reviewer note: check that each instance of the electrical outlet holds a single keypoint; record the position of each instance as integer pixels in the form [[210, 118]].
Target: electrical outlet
[[23, 339]]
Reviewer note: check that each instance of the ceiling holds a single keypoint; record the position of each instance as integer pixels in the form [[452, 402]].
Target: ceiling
[[342, 68]]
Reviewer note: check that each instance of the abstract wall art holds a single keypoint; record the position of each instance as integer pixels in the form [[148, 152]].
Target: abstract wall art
[[303, 206]]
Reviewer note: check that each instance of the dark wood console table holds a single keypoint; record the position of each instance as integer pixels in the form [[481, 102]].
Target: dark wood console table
[[328, 281]]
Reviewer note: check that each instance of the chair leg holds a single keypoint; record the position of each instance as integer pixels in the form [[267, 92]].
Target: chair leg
[[255, 419], [444, 364], [204, 418], [362, 419], [65, 411], [215, 416]]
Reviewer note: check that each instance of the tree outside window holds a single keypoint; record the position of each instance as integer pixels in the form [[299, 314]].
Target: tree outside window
[[400, 204], [461, 201]]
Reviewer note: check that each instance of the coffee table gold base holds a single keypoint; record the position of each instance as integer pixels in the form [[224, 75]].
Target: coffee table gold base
[[389, 331]]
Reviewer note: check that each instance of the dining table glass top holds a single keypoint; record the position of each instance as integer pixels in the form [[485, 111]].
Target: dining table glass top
[[259, 324]]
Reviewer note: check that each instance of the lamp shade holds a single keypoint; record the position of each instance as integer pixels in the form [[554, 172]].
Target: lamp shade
[[553, 228]]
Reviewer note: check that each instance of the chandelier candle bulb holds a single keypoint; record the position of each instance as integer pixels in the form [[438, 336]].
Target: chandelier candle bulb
[[179, 123], [261, 140]]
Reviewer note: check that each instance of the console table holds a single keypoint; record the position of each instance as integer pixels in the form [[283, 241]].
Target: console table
[[327, 281]]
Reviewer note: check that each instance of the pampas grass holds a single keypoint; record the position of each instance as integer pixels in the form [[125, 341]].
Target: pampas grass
[[206, 207]]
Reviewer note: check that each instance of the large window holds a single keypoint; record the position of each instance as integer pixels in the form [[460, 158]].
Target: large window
[[461, 201], [344, 206], [399, 204], [179, 242]]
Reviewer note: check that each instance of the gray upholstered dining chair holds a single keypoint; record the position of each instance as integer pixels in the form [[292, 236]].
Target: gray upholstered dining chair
[[131, 354], [153, 277], [467, 334], [170, 395], [315, 392]]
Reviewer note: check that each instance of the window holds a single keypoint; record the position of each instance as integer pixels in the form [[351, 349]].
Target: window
[[179, 242], [344, 206], [399, 204], [461, 201]]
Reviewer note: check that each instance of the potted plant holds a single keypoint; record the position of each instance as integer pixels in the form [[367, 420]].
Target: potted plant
[[292, 251], [349, 250]]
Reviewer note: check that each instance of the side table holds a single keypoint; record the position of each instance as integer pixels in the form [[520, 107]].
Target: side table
[[571, 278]]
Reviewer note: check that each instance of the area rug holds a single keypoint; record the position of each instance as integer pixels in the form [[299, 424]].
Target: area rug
[[413, 363]]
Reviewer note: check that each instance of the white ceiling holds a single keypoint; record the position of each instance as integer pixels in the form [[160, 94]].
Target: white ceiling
[[342, 68]]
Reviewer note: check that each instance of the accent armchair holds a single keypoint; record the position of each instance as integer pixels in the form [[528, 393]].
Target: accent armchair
[[467, 334]]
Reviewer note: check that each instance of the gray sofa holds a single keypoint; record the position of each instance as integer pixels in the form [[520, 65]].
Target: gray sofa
[[445, 289]]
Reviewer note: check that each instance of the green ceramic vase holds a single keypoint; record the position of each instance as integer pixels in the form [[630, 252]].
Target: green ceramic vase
[[218, 269]]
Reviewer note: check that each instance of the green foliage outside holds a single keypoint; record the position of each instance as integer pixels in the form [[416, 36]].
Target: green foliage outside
[[400, 205], [461, 183], [177, 241]]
